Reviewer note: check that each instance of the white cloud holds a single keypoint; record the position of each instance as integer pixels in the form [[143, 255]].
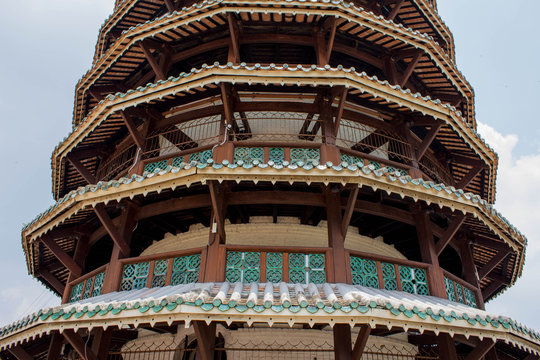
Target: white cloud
[[24, 300], [518, 199]]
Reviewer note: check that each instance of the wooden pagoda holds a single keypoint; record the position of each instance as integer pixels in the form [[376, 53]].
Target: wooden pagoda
[[281, 178]]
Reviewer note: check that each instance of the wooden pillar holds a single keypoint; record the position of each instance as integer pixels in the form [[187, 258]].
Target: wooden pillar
[[329, 150], [79, 345], [336, 240], [101, 342], [446, 347], [206, 339], [55, 346], [342, 342], [214, 263], [429, 253], [125, 229], [469, 269]]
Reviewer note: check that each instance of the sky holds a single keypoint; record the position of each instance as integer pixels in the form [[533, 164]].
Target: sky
[[48, 45]]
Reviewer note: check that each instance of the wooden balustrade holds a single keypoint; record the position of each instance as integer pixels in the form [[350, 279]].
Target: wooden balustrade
[[458, 290], [88, 285]]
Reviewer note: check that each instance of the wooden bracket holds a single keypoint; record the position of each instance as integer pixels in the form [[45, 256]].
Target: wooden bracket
[[55, 346], [395, 10], [340, 108], [470, 176], [234, 50], [216, 209], [113, 232], [446, 347], [481, 350], [79, 345], [349, 209], [81, 169], [158, 71], [424, 146], [361, 341], [492, 264], [135, 135], [410, 68], [53, 281], [61, 255], [170, 5], [452, 229], [20, 353]]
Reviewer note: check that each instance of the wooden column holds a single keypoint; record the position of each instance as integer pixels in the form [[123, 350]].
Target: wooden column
[[429, 253], [125, 229], [79, 345], [469, 269], [101, 342], [78, 257], [55, 346], [361, 341], [329, 150], [342, 342], [336, 240], [206, 339], [214, 265], [446, 347]]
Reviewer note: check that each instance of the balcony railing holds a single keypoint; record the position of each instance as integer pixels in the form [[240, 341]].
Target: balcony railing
[[269, 264]]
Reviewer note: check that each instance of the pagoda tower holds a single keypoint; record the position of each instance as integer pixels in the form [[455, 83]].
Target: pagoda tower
[[281, 179]]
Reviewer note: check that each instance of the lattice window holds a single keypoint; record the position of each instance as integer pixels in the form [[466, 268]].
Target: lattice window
[[177, 161], [305, 156], [87, 289], [274, 267], [392, 170], [76, 292], [98, 284], [307, 268], [135, 276], [364, 272], [161, 165], [389, 276], [351, 159], [160, 273], [413, 280], [186, 269], [470, 298], [249, 154], [459, 290], [277, 155], [376, 164], [243, 267], [201, 157], [449, 284]]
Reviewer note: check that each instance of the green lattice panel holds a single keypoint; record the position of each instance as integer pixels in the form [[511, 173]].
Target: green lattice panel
[[307, 268], [98, 284], [186, 269], [177, 161], [277, 155], [201, 157], [76, 292], [392, 170], [459, 290], [160, 273], [161, 165], [306, 156], [351, 159], [243, 267], [135, 276], [470, 298], [274, 267], [364, 272], [413, 280], [87, 289], [449, 285], [389, 276], [249, 154]]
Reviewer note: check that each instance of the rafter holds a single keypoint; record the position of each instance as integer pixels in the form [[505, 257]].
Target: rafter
[[481, 349], [428, 139], [492, 264]]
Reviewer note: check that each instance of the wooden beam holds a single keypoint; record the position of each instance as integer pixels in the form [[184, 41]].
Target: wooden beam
[[52, 280], [448, 235], [481, 350], [332, 23], [226, 100], [132, 130], [446, 347], [160, 75], [424, 146], [101, 342], [206, 339], [349, 209], [492, 355], [216, 209], [492, 264], [395, 10], [491, 289], [469, 177], [532, 357], [87, 175], [390, 70], [361, 341], [410, 68], [55, 346], [20, 353], [61, 255], [79, 345], [113, 232]]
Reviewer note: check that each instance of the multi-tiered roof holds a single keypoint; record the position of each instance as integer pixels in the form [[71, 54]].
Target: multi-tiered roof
[[314, 154]]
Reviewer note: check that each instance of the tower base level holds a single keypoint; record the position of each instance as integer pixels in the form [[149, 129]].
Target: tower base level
[[266, 321]]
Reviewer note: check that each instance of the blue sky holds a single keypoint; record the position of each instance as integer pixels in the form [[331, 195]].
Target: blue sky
[[48, 45]]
